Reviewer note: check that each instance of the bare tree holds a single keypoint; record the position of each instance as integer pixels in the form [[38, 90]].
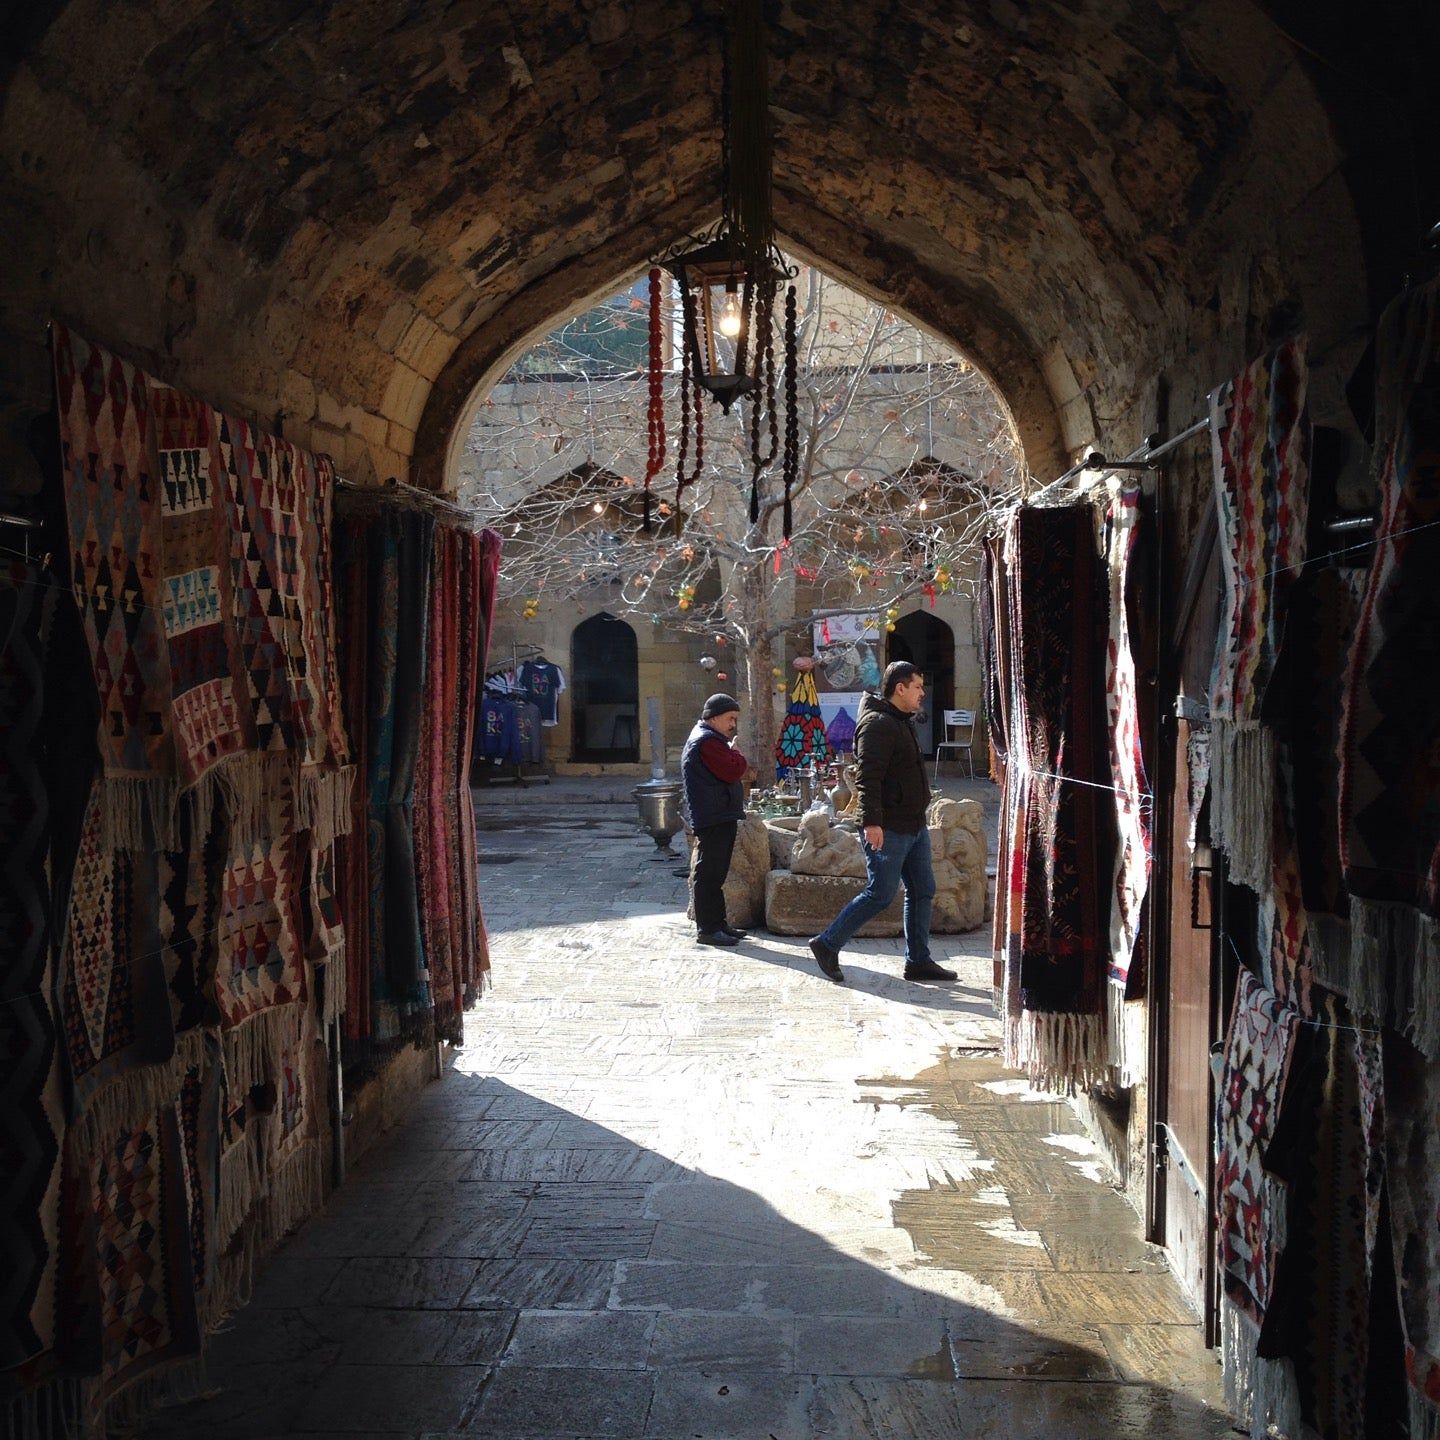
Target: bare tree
[[905, 453]]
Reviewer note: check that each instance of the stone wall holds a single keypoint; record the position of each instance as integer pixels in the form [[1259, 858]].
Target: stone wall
[[346, 219]]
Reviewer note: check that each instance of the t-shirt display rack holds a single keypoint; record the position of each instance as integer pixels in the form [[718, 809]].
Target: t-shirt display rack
[[516, 772]]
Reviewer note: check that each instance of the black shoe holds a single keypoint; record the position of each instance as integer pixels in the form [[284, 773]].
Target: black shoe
[[715, 937], [828, 960], [929, 970], [737, 934]]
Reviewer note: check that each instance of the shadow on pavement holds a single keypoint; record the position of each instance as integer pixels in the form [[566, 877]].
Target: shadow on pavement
[[506, 1267]]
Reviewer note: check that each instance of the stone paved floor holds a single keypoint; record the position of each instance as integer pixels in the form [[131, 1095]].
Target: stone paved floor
[[674, 1192]]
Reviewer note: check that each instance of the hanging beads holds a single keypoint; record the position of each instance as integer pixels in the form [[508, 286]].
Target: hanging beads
[[655, 418]]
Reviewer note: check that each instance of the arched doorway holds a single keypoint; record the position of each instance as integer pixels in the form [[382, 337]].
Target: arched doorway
[[928, 643], [605, 707]]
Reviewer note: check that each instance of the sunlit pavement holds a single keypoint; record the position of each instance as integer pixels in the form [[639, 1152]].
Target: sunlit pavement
[[673, 1191]]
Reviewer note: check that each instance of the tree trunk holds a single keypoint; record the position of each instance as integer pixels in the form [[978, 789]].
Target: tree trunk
[[753, 622]]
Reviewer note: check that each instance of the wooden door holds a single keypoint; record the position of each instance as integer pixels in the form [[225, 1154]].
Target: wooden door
[[1185, 989]]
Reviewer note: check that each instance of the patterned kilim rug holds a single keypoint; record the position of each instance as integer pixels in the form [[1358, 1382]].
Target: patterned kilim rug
[[1327, 1150], [1249, 1209], [288, 1130], [486, 579], [213, 725], [437, 803], [1390, 738], [260, 969], [32, 1114], [114, 1004], [112, 506], [405, 971], [148, 1315], [352, 589], [1060, 1034], [1319, 627], [327, 773], [198, 1112], [1131, 796], [1412, 1158], [1260, 437], [187, 892]]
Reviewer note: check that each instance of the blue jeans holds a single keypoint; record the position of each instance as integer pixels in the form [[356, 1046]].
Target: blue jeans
[[902, 858]]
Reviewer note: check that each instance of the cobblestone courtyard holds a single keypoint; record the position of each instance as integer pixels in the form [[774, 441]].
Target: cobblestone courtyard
[[674, 1192]]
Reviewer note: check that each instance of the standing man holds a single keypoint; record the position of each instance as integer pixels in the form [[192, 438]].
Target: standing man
[[711, 769], [893, 795]]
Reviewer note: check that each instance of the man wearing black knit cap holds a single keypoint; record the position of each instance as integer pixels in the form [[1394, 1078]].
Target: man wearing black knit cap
[[711, 769]]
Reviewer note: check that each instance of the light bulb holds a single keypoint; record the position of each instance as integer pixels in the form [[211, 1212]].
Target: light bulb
[[730, 317], [598, 507]]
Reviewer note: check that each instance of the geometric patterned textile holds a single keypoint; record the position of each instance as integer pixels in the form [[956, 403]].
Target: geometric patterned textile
[[112, 503], [32, 1114], [137, 1199], [1252, 1084], [1390, 736], [1412, 1160], [1328, 1149], [1127, 765], [437, 831], [1260, 443], [113, 1001], [1058, 1031], [213, 723], [445, 856], [1319, 628], [261, 962], [201, 563]]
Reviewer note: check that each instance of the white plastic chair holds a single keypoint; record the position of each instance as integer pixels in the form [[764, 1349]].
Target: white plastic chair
[[958, 720]]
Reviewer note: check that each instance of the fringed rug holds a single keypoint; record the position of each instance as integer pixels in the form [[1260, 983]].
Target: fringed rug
[[213, 724], [112, 505], [1319, 627], [1327, 1150], [293, 1180], [1260, 438], [486, 576], [437, 804], [352, 591], [1250, 1209], [260, 969], [148, 1314], [32, 1116], [1131, 796], [1390, 740], [1060, 1035], [114, 1004], [198, 1111], [1412, 1161]]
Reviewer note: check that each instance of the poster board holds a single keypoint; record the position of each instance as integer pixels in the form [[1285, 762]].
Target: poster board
[[849, 660]]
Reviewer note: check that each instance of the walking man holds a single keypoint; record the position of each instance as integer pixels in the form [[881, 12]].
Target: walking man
[[711, 769], [893, 795]]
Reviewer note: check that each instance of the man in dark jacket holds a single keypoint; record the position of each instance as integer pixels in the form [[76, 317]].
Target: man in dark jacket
[[711, 769], [893, 795]]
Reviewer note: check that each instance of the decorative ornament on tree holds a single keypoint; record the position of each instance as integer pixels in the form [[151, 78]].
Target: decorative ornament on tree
[[802, 735], [707, 662], [803, 663], [721, 675]]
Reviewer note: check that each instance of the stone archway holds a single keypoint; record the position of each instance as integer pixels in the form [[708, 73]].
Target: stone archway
[[928, 642], [605, 692]]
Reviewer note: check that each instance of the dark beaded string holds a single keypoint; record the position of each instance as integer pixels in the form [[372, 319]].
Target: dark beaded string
[[655, 418], [791, 462], [764, 397]]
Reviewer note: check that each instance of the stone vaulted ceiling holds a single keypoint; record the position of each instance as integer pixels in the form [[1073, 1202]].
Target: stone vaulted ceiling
[[343, 217]]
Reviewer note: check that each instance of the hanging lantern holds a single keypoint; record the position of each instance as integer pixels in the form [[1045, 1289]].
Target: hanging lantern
[[707, 662], [729, 280]]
